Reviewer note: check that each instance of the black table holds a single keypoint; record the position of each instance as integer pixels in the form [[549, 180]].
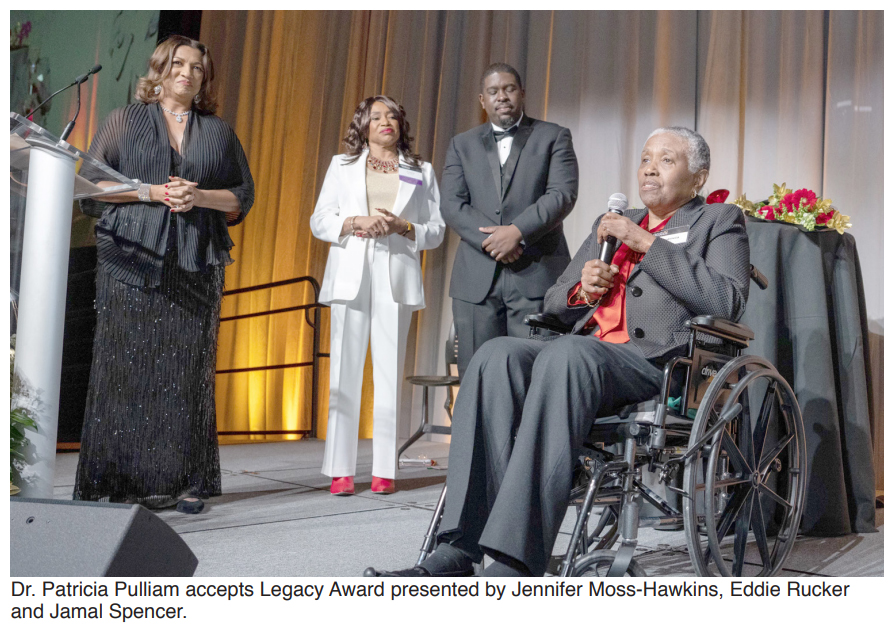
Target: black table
[[811, 324]]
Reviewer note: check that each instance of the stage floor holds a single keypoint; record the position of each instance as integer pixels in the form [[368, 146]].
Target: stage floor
[[276, 518]]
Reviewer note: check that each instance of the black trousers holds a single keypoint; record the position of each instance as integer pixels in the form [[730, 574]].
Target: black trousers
[[523, 410], [500, 314]]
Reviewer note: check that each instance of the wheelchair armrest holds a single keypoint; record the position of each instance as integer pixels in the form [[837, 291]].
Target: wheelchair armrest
[[723, 328], [759, 279], [547, 322]]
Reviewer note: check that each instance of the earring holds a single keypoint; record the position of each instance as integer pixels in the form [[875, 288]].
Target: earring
[[157, 90], [197, 98], [693, 193]]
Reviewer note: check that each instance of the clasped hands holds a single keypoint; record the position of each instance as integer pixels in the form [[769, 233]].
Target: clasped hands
[[376, 226], [179, 194], [596, 276], [502, 243]]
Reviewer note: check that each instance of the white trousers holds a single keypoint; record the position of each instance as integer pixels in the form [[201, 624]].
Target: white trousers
[[373, 313]]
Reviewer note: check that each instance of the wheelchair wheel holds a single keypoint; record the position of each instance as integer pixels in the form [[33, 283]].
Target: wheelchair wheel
[[749, 477], [598, 562]]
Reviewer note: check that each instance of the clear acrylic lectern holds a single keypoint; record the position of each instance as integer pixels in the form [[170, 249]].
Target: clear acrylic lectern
[[42, 170]]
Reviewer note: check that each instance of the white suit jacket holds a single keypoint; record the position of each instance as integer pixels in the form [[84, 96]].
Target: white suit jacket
[[344, 194]]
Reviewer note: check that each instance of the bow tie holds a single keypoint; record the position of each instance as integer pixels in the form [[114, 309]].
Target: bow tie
[[500, 134]]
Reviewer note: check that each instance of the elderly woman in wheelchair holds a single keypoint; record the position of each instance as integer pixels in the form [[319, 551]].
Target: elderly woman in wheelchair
[[662, 316]]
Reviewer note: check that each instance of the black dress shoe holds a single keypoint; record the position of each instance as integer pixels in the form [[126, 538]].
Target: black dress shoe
[[190, 505], [417, 572]]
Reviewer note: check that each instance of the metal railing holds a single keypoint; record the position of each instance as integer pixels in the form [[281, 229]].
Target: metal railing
[[314, 323]]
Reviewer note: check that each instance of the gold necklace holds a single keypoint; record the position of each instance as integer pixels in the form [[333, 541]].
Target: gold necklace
[[387, 167]]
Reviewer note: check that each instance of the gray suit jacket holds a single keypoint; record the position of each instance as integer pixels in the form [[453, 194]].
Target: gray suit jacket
[[708, 274], [536, 191]]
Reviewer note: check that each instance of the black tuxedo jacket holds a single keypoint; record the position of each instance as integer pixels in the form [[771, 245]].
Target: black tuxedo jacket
[[535, 190]]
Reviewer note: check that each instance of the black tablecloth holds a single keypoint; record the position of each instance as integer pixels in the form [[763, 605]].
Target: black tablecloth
[[811, 324]]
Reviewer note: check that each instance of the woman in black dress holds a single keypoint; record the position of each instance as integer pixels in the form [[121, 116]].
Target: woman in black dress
[[149, 433]]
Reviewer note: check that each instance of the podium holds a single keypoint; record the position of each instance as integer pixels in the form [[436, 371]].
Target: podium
[[42, 170]]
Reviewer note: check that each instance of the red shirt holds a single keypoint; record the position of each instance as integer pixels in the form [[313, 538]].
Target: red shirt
[[611, 314]]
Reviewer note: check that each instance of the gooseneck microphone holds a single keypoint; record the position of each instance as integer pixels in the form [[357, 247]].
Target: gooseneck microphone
[[617, 204], [78, 81], [83, 77]]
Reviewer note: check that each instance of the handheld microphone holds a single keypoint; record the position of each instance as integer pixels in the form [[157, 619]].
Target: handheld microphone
[[617, 204], [77, 81]]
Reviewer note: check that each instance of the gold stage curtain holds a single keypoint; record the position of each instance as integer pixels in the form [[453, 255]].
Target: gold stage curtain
[[289, 83], [271, 69]]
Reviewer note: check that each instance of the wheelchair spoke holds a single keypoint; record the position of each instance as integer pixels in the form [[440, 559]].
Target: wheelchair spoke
[[767, 459], [729, 482], [743, 522], [763, 421], [746, 447], [758, 525], [736, 502], [772, 495], [735, 454]]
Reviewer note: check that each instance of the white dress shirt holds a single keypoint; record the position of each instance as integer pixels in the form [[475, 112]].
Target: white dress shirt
[[505, 144]]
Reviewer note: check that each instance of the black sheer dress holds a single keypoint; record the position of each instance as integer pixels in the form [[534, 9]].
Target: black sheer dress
[[149, 433]]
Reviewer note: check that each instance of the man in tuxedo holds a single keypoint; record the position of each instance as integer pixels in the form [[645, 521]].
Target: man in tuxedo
[[506, 188]]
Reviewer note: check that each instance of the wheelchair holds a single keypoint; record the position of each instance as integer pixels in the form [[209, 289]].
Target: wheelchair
[[730, 446]]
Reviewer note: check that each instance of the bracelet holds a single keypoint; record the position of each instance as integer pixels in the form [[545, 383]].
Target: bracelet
[[144, 192], [586, 297], [352, 224], [407, 230]]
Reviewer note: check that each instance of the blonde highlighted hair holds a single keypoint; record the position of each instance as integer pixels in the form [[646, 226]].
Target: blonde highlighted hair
[[159, 66]]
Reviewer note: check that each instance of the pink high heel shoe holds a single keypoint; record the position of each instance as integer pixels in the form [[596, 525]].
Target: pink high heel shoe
[[382, 485], [342, 486]]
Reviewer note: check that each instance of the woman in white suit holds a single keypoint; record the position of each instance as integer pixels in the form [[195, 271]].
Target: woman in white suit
[[378, 207]]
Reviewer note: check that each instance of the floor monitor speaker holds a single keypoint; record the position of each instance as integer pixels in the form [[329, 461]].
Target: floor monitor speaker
[[73, 538]]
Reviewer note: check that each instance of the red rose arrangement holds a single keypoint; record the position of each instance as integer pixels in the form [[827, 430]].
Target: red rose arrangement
[[801, 207]]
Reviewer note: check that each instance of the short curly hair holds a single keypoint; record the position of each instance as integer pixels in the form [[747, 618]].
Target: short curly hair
[[698, 153]]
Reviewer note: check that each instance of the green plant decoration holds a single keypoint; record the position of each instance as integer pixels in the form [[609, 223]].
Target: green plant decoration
[[20, 421]]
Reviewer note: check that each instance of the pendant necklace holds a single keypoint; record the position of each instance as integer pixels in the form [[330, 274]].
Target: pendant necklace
[[178, 115]]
